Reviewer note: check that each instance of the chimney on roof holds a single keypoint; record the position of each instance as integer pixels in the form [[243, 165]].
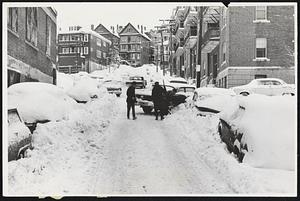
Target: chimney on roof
[[145, 28], [138, 26], [92, 27], [142, 28]]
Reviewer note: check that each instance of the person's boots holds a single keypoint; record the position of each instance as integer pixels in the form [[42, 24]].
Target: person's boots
[[134, 118], [161, 117], [156, 117]]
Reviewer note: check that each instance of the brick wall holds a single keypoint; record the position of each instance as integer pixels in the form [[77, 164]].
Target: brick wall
[[34, 57], [243, 31]]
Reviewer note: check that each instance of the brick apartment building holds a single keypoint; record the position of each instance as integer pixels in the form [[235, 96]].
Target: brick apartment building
[[112, 35], [256, 42], [82, 50], [31, 44], [135, 45]]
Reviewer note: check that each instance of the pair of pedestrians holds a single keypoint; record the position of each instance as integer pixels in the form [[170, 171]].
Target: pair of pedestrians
[[159, 97]]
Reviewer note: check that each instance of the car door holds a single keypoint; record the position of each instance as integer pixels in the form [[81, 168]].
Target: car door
[[263, 87]]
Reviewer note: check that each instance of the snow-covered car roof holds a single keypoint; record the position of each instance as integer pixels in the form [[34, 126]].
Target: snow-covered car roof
[[214, 91], [37, 101]]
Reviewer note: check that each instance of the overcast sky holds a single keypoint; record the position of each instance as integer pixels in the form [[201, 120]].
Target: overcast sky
[[111, 14]]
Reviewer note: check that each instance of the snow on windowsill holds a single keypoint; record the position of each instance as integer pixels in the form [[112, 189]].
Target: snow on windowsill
[[261, 21], [261, 59]]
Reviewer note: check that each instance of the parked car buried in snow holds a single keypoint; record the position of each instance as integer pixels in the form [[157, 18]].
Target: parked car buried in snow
[[39, 102], [19, 136], [139, 80], [113, 87], [175, 95], [266, 86], [212, 99], [261, 130]]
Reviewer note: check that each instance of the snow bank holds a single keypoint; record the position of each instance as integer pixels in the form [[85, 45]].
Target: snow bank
[[201, 135], [64, 81], [63, 151], [268, 125], [38, 101]]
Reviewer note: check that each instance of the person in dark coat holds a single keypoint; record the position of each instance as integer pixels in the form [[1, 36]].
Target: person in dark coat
[[131, 99], [159, 100]]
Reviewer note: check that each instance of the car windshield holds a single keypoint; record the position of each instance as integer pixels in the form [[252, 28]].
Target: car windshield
[[268, 82], [178, 81], [136, 78], [186, 89]]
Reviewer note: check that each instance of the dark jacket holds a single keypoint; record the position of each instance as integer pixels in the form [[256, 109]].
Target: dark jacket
[[157, 94], [131, 95]]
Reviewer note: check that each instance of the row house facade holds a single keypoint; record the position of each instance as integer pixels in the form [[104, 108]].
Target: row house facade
[[112, 36], [82, 50], [135, 45], [31, 33], [161, 53], [256, 42], [210, 40], [178, 41], [190, 22]]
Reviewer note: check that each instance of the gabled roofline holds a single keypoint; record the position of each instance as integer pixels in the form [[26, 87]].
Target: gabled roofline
[[136, 30], [107, 30]]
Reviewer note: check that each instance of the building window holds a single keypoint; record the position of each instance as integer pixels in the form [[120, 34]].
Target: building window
[[98, 54], [261, 47], [86, 38], [225, 82], [98, 42], [224, 52], [138, 56], [13, 19], [261, 12], [257, 76], [104, 55], [31, 25], [104, 44], [65, 50], [86, 50], [48, 35]]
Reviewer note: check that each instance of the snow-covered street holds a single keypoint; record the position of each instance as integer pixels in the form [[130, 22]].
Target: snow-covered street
[[97, 151]]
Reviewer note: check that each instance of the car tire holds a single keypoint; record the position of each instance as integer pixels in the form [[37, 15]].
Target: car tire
[[118, 95], [291, 94], [147, 110], [244, 93]]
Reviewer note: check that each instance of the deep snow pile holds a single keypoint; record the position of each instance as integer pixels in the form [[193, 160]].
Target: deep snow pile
[[80, 86], [38, 101], [65, 153], [268, 125], [243, 179]]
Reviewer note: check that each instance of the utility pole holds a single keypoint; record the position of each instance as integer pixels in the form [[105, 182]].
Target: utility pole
[[199, 44]]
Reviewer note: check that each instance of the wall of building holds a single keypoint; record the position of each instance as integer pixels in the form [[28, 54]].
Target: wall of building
[[21, 52]]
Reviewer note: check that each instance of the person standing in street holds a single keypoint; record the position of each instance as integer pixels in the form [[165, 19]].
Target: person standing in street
[[158, 94], [131, 99]]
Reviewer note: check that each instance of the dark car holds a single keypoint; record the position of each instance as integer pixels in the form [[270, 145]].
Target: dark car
[[175, 95]]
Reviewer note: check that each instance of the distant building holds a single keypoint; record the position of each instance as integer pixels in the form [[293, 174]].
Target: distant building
[[135, 45], [112, 35], [158, 49], [82, 50], [256, 42], [31, 44]]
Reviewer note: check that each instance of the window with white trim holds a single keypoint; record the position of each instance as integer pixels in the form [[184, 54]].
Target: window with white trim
[[65, 50], [261, 12], [261, 47], [98, 54], [86, 50], [224, 52], [48, 35], [104, 55], [86, 38], [12, 23], [31, 25]]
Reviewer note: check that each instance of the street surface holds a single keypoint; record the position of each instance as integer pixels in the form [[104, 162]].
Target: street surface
[[146, 156]]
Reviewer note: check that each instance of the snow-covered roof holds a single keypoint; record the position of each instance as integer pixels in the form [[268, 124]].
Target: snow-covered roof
[[86, 31], [138, 30]]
